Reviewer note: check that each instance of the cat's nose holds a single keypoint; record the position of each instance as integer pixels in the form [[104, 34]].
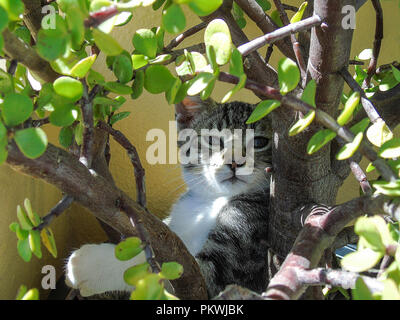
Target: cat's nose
[[234, 165]]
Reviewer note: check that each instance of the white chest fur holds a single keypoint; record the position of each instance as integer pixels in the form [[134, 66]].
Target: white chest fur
[[192, 218]]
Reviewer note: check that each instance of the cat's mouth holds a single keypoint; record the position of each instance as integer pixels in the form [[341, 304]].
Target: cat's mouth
[[233, 180]]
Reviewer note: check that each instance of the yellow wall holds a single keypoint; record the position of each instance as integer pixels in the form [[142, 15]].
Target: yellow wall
[[164, 184]]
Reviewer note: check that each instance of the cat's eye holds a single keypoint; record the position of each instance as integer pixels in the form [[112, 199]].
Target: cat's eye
[[261, 143]]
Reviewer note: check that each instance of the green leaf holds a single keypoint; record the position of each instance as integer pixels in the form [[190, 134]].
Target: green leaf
[[299, 14], [149, 288], [69, 88], [66, 137], [6, 82], [190, 63], [302, 124], [240, 85], [217, 35], [35, 219], [350, 106], [145, 42], [118, 117], [171, 270], [138, 84], [23, 219], [24, 250], [136, 273], [64, 116], [79, 133], [308, 94], [204, 7], [16, 109], [173, 19], [288, 75], [396, 73], [390, 149], [361, 260], [199, 83], [236, 65], [106, 43], [128, 248], [349, 149], [14, 8], [139, 61], [390, 290], [82, 67], [367, 228], [158, 79], [3, 19], [161, 59], [34, 243], [21, 292], [275, 17], [117, 87], [173, 91], [123, 68], [361, 291], [370, 168], [75, 21], [262, 110], [379, 133], [388, 188], [21, 234], [52, 43], [32, 142], [264, 4], [320, 139], [94, 78], [32, 294], [360, 126]]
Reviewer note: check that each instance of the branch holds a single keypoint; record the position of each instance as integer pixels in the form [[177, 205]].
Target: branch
[[33, 16], [377, 42], [133, 156], [61, 206], [176, 41], [317, 235], [86, 154], [361, 177], [24, 54], [369, 108], [336, 278], [278, 34], [104, 200]]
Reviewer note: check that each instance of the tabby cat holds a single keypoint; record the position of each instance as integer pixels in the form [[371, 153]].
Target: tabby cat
[[222, 218]]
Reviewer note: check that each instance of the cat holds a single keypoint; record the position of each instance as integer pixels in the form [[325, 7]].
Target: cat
[[223, 216]]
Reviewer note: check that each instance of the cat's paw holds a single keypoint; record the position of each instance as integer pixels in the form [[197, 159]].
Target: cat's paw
[[94, 269]]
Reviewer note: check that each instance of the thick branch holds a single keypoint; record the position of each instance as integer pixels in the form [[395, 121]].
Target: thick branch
[[336, 278], [317, 235], [104, 200], [24, 54]]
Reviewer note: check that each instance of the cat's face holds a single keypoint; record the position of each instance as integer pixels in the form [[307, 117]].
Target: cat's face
[[224, 155]]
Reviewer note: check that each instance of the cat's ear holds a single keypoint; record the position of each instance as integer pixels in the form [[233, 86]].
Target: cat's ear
[[190, 108]]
